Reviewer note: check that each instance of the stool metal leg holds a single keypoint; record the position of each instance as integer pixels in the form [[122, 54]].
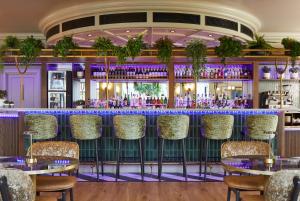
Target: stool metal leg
[[102, 156], [161, 155], [118, 160], [184, 158], [206, 157], [97, 158], [201, 158], [141, 146]]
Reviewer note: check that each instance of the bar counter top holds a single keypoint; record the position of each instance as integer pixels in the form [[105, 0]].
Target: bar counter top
[[4, 111]]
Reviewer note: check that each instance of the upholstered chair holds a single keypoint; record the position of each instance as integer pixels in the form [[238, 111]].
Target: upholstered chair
[[214, 127], [261, 127], [130, 127], [45, 126], [45, 183], [172, 127], [88, 128], [16, 185], [250, 182], [283, 185]]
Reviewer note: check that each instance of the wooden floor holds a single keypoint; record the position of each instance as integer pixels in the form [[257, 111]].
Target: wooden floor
[[151, 191]]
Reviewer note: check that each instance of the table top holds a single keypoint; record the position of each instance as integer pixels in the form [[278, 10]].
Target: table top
[[44, 164], [256, 164]]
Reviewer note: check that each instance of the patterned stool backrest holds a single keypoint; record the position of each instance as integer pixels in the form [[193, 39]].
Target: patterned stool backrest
[[86, 127], [173, 127], [217, 127], [258, 125], [45, 126], [129, 127]]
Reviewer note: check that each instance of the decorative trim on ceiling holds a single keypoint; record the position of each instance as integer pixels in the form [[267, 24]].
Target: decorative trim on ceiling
[[202, 8], [23, 35], [274, 38]]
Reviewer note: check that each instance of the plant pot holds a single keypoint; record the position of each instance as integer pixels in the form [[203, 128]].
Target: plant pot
[[267, 76], [6, 105], [2, 102], [279, 76], [11, 105], [79, 106], [294, 75], [79, 74]]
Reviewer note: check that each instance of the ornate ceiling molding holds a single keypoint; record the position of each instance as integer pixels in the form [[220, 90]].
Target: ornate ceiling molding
[[206, 8]]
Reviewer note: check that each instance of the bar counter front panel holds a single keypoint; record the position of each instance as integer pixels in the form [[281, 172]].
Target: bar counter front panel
[[130, 148], [172, 150]]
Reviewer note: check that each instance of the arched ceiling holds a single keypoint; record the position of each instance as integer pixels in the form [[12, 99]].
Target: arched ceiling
[[277, 18]]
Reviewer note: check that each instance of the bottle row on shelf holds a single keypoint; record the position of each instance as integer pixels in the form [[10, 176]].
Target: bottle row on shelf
[[181, 101], [132, 101], [212, 101], [179, 74], [214, 73], [132, 73]]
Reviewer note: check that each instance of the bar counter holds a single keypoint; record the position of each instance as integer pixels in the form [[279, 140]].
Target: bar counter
[[12, 127]]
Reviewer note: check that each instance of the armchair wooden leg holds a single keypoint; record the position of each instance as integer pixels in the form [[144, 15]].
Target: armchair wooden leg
[[228, 194]]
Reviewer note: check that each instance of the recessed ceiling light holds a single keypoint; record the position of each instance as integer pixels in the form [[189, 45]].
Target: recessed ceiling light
[[210, 35], [89, 35], [127, 31], [172, 31]]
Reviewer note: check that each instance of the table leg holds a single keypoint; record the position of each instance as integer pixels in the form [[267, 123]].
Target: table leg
[[33, 178]]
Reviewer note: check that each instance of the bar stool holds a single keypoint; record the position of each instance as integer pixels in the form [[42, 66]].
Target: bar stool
[[45, 126], [88, 127], [259, 127], [130, 127], [172, 127], [214, 127]]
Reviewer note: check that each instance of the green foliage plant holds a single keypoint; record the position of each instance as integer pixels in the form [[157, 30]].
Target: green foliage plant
[[228, 47]]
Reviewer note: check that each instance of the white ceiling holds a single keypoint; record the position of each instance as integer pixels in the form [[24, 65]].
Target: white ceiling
[[275, 16]]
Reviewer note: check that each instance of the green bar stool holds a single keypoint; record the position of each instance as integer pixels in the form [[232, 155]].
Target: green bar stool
[[88, 127], [45, 126], [130, 127], [261, 127], [214, 127], [172, 127]]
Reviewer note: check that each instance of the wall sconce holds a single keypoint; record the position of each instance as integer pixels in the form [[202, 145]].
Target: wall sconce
[[118, 89], [189, 87], [103, 86], [177, 90]]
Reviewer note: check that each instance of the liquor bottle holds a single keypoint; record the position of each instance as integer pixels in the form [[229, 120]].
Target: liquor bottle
[[165, 101], [125, 101]]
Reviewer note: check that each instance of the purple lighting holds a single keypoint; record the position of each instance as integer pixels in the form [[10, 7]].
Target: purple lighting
[[9, 115]]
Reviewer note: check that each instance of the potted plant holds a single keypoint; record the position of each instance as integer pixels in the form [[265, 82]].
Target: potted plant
[[280, 72], [259, 43], [11, 104], [165, 49], [228, 47], [294, 47], [196, 50], [294, 72], [3, 95], [64, 46], [79, 104], [6, 104], [121, 53], [103, 46], [134, 46], [266, 70]]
